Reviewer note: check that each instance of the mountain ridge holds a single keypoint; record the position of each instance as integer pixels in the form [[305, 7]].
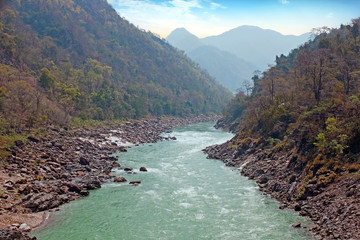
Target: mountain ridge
[[248, 43]]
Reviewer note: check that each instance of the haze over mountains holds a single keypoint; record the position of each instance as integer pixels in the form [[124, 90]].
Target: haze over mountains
[[233, 56]]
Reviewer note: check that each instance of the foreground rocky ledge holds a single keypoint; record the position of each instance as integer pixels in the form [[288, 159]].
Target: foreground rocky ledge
[[42, 174], [333, 206]]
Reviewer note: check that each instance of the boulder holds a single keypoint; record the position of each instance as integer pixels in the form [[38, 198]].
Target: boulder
[[92, 184], [297, 208], [24, 227], [19, 143], [74, 187], [84, 161], [143, 169], [135, 182], [296, 225], [120, 179], [116, 164], [41, 201], [11, 234], [33, 139], [123, 149]]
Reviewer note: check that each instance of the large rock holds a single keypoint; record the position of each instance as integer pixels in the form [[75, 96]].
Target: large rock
[[24, 227], [42, 201], [84, 161], [14, 234], [19, 143], [135, 182], [33, 139], [143, 169], [120, 179], [296, 225], [116, 164]]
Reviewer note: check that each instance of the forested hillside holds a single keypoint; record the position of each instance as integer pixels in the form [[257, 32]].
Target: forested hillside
[[299, 131], [309, 100], [66, 58]]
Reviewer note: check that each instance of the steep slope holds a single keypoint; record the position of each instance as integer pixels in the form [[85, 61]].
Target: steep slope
[[80, 58], [227, 68], [298, 132], [256, 45]]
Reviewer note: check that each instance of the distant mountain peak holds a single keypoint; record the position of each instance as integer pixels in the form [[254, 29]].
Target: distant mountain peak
[[183, 39], [181, 32]]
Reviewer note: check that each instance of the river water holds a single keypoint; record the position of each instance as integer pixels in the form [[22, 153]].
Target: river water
[[182, 196]]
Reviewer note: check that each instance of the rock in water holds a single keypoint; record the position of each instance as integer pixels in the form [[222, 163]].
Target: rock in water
[[296, 225], [116, 164], [120, 179], [135, 182], [143, 169]]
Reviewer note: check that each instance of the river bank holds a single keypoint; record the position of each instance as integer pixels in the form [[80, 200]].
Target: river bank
[[333, 205], [42, 174], [183, 195]]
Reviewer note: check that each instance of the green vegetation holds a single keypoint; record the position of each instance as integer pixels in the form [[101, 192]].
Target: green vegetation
[[63, 59], [308, 103]]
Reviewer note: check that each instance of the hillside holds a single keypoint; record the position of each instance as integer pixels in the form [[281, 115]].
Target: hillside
[[298, 132], [227, 68], [63, 59]]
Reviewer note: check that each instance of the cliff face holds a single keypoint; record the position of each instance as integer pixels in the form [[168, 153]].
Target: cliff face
[[297, 134]]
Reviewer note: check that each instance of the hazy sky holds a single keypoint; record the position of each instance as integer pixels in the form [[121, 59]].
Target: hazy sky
[[212, 17]]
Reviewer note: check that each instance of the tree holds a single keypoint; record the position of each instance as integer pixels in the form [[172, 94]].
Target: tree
[[2, 97], [354, 29], [68, 96], [47, 79], [19, 102], [313, 65], [247, 87]]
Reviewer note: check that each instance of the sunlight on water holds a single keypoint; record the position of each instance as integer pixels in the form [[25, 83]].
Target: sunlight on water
[[182, 196]]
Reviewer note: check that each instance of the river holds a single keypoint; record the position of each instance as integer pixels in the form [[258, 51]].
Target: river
[[182, 196]]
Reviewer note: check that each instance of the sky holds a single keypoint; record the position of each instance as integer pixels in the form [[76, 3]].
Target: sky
[[213, 17]]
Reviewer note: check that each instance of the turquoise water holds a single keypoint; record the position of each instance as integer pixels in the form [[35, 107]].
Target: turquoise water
[[182, 196]]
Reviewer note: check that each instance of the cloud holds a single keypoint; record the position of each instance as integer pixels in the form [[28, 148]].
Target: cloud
[[214, 5], [285, 2], [330, 15], [186, 4], [163, 17]]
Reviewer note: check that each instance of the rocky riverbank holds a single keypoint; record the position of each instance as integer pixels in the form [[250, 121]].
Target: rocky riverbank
[[43, 173], [333, 204]]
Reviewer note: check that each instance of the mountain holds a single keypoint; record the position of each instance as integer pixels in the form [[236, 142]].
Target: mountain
[[79, 58], [227, 68], [298, 131], [256, 45], [184, 40], [233, 56]]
